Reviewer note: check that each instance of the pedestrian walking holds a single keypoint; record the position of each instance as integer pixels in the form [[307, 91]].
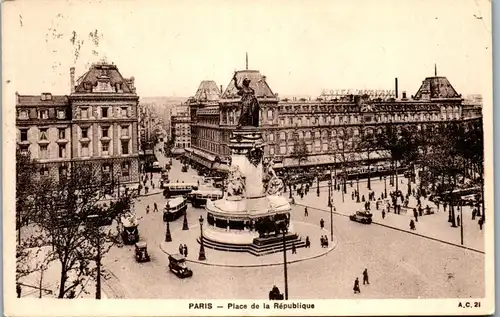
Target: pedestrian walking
[[458, 220], [181, 249], [308, 242], [155, 209], [356, 286], [474, 214], [383, 213], [412, 225], [185, 250], [147, 209], [480, 223], [322, 223], [365, 277], [306, 213], [294, 249], [146, 188]]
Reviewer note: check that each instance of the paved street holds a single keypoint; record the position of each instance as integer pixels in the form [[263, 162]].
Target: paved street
[[400, 265]]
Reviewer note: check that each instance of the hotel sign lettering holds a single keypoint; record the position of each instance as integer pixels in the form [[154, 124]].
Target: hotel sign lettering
[[373, 93]]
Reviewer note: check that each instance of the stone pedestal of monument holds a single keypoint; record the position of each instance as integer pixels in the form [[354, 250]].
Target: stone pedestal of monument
[[245, 219]]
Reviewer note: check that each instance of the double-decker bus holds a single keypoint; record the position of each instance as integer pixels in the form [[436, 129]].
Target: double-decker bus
[[199, 197], [174, 208], [178, 189]]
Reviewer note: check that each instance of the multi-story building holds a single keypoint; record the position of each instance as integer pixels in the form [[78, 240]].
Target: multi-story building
[[181, 132], [96, 123], [329, 125]]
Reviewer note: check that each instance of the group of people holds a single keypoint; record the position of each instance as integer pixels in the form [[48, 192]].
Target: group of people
[[155, 208], [183, 250], [356, 287]]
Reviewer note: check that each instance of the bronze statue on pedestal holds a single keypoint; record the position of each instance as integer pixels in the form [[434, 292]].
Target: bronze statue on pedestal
[[250, 109]]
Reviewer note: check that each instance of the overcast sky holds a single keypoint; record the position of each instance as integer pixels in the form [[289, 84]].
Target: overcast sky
[[302, 47]]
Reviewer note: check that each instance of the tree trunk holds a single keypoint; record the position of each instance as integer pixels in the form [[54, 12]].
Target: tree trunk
[[62, 283], [453, 219], [396, 174], [369, 167]]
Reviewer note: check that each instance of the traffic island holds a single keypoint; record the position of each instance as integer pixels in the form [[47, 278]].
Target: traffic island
[[244, 259]]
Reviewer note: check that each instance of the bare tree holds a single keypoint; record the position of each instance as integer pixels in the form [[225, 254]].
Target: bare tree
[[70, 213]]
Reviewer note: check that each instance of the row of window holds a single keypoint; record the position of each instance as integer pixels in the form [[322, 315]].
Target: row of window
[[353, 119], [105, 112], [42, 114], [43, 133], [105, 170], [44, 149]]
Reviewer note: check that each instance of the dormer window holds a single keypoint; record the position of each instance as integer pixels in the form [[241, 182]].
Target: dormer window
[[43, 114], [23, 115], [61, 114]]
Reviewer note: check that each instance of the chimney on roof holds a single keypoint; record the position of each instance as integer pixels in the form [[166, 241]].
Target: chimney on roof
[[404, 95], [435, 70], [246, 60], [221, 91], [72, 79], [396, 87]]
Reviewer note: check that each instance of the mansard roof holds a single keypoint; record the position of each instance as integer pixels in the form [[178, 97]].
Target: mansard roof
[[257, 82], [45, 99], [106, 72], [436, 87], [207, 91]]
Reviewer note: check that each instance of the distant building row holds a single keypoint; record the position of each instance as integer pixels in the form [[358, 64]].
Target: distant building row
[[328, 125]]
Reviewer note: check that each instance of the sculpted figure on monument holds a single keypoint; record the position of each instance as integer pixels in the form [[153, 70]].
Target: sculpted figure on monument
[[235, 182], [273, 184], [249, 104], [255, 155]]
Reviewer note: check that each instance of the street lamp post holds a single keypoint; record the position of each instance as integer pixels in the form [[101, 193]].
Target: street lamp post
[[201, 255], [461, 225], [385, 186], [331, 207], [357, 189], [185, 225], [317, 188], [283, 228], [168, 236]]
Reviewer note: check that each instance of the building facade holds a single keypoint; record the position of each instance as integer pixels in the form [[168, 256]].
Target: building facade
[[330, 126], [97, 123], [181, 132]]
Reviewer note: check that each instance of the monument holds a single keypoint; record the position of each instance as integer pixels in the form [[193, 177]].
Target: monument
[[252, 216]]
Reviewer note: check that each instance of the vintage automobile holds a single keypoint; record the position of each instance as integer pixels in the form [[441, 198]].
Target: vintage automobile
[[362, 217], [128, 227], [178, 266], [155, 167], [141, 252]]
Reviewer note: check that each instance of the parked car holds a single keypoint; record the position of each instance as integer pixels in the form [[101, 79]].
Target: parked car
[[362, 217]]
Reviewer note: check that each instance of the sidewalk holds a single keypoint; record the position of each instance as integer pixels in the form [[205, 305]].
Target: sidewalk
[[50, 279], [435, 226]]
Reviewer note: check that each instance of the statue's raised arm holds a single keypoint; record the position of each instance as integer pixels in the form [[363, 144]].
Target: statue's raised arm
[[236, 82]]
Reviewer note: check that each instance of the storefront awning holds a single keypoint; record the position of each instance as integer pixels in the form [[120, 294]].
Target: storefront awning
[[336, 158]]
